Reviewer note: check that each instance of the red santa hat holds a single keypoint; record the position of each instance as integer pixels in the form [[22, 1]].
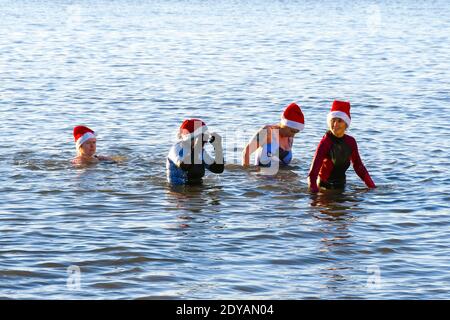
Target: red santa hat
[[293, 117], [341, 110], [191, 128], [82, 134]]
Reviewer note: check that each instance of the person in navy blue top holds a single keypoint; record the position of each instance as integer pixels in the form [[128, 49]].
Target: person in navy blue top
[[187, 159]]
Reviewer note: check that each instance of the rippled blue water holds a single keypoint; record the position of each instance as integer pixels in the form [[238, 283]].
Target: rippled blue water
[[133, 70]]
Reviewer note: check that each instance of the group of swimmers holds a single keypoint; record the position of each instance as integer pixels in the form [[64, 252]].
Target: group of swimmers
[[187, 159]]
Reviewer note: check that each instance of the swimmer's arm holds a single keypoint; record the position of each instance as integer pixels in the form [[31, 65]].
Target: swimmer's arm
[[215, 165], [76, 161], [359, 167], [258, 140], [218, 166], [104, 158], [322, 150]]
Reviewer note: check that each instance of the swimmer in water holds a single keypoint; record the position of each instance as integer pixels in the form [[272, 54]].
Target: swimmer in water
[[335, 152], [187, 159], [274, 142], [86, 144]]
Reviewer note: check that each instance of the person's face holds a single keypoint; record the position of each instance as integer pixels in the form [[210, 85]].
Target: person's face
[[288, 131], [89, 147], [338, 127]]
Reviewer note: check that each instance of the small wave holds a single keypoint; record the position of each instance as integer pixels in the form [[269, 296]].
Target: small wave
[[393, 241], [20, 273], [43, 165], [126, 261], [385, 250], [407, 224], [108, 249], [54, 265], [111, 285], [288, 262], [158, 298], [249, 289], [252, 194], [160, 278], [261, 237]]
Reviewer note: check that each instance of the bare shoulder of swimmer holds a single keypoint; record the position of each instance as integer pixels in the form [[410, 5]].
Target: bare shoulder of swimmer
[[104, 158], [262, 132], [79, 161]]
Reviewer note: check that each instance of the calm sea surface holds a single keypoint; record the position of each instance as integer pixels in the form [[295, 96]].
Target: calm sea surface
[[133, 70]]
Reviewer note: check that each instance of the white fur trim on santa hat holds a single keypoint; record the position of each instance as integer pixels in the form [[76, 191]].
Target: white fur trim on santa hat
[[292, 124], [196, 133], [341, 115], [85, 137]]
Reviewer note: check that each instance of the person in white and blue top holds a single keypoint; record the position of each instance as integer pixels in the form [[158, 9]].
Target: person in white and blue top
[[187, 159]]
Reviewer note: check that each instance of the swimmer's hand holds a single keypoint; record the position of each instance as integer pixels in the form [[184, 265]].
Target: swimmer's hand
[[215, 139], [114, 159], [312, 186], [245, 158], [118, 158], [76, 161], [104, 158], [369, 182]]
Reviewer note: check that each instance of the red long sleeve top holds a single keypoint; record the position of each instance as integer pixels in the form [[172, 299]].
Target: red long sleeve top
[[332, 159]]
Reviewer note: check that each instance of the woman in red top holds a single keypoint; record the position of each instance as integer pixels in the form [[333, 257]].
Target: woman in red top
[[335, 152]]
